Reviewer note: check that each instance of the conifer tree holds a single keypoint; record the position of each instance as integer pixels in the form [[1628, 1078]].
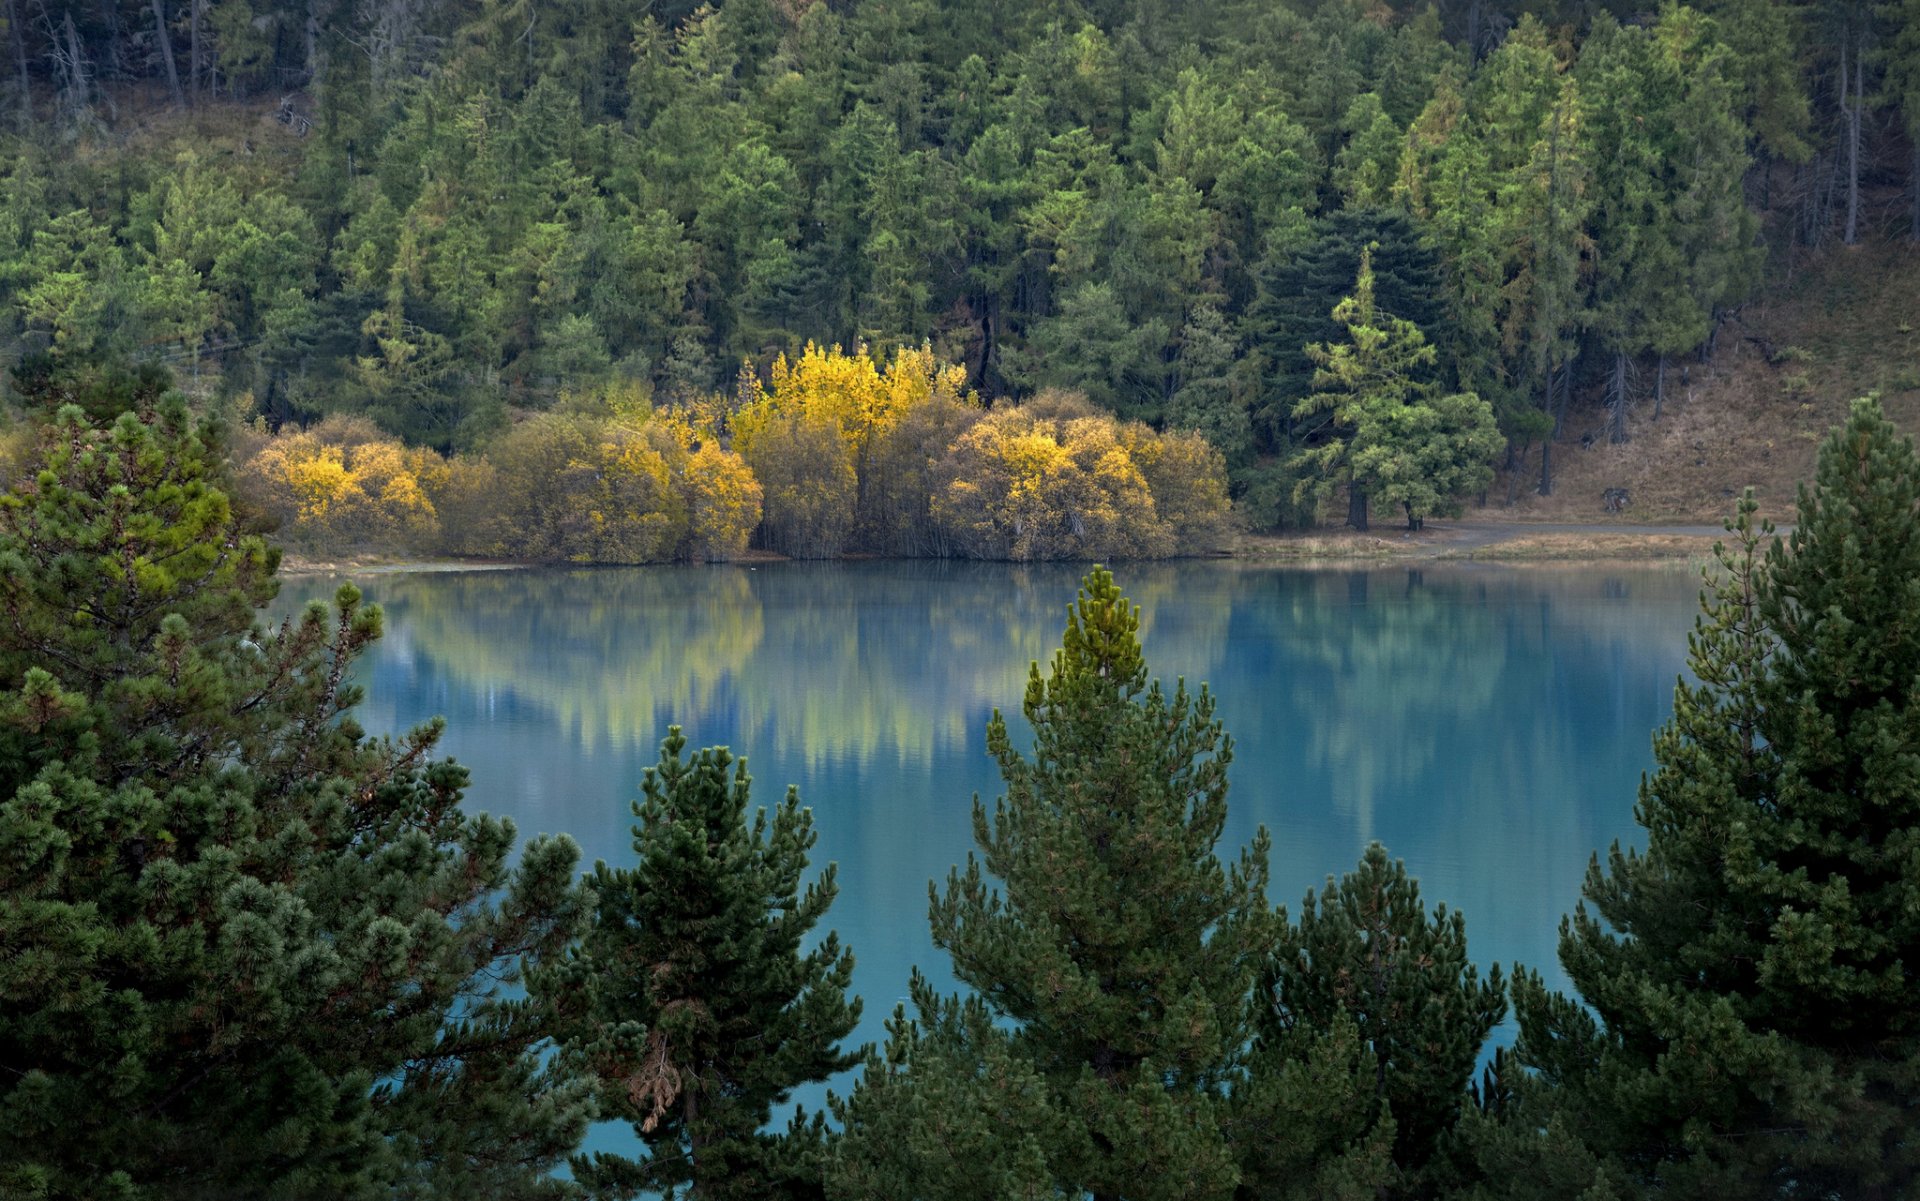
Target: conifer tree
[[1750, 1025], [1113, 966], [244, 950], [1388, 434], [690, 1000], [1366, 950]]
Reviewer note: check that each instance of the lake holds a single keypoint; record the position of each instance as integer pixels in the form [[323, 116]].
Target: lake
[[1488, 724]]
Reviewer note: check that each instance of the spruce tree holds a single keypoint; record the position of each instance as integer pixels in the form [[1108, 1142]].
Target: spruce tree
[[690, 1001], [1112, 966], [244, 950], [1751, 1025]]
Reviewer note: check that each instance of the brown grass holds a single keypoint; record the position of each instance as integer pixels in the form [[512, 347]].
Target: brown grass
[[1589, 548], [1325, 545], [1832, 326]]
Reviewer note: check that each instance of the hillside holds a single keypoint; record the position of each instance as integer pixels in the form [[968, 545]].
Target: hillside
[[1832, 326]]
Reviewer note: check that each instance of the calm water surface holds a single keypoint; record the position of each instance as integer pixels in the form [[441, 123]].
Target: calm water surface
[[1488, 725]]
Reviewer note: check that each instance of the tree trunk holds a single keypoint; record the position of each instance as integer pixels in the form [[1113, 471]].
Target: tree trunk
[[79, 88], [1659, 387], [1913, 184], [1617, 400], [1413, 523], [166, 53], [195, 56], [313, 42], [1853, 112], [19, 44], [690, 1115], [1356, 506], [1556, 409]]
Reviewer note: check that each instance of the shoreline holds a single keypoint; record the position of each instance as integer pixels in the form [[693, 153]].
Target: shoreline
[[1506, 543]]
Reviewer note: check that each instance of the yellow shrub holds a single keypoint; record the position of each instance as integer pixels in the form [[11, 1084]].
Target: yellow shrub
[[342, 483], [805, 468], [1054, 479], [723, 501]]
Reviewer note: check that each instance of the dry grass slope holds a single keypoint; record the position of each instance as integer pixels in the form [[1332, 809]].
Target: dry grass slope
[[1833, 326]]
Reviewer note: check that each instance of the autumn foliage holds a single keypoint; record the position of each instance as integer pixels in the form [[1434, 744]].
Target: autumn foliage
[[832, 453]]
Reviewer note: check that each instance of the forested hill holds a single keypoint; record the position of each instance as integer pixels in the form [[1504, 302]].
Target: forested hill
[[436, 213]]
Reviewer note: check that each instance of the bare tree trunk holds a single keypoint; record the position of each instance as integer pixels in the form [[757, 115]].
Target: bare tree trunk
[[1659, 387], [1555, 409], [1617, 400], [79, 87], [1853, 112], [195, 58], [1357, 507], [18, 40], [313, 41], [166, 53]]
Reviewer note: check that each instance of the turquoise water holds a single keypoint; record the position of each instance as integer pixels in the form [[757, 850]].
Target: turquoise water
[[1489, 725]]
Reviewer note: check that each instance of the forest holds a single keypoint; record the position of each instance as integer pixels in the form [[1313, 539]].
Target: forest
[[1365, 250]]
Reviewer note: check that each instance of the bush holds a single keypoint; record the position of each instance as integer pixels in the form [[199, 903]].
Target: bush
[[1054, 479], [343, 483], [805, 466]]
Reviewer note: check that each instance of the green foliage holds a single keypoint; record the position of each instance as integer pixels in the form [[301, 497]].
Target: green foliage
[[1385, 435], [1156, 209], [1748, 1024], [258, 952], [1366, 952], [689, 1001], [1112, 965]]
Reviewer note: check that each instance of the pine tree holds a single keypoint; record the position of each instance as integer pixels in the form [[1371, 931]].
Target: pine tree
[[1366, 950], [1112, 967], [249, 951], [1750, 1024], [1386, 433], [690, 1001]]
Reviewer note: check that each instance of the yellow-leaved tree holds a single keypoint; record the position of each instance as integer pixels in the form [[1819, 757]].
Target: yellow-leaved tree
[[343, 483], [1057, 479], [823, 436], [630, 488]]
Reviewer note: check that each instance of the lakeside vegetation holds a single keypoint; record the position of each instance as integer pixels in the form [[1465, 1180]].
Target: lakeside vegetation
[[259, 952]]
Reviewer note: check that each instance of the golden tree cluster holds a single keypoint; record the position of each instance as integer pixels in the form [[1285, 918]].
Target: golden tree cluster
[[833, 452]]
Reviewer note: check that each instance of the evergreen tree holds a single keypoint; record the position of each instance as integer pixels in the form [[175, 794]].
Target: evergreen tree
[[1297, 293], [690, 1001], [1113, 966], [1366, 950], [1750, 1024], [250, 951], [1386, 434]]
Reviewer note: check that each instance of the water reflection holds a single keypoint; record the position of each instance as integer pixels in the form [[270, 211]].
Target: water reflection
[[1489, 725]]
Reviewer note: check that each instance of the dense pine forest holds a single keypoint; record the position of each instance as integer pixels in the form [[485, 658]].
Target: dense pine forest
[[1365, 250]]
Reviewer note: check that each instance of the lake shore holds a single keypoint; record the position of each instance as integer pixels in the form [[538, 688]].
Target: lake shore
[[1511, 542], [1508, 542]]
